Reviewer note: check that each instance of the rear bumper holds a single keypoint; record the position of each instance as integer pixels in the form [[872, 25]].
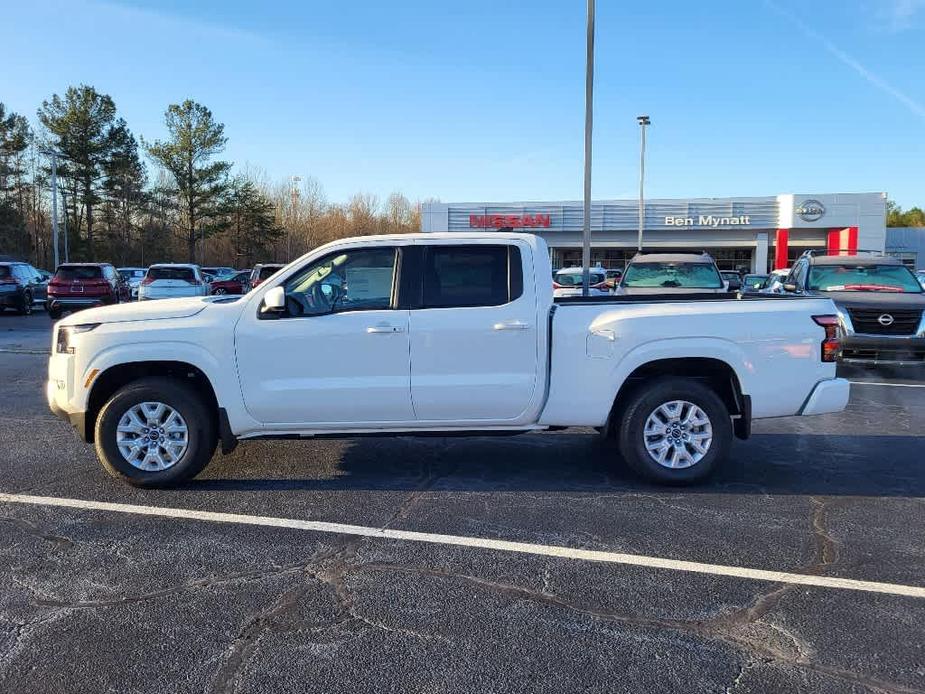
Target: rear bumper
[[72, 303], [828, 396], [12, 299], [895, 350]]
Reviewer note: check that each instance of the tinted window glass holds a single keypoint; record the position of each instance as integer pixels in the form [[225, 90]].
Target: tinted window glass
[[471, 276], [350, 281], [573, 278], [172, 273], [268, 271], [79, 272], [5, 272], [693, 275]]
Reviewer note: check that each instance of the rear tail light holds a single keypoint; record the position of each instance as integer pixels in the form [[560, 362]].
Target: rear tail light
[[147, 280], [832, 343], [11, 280], [556, 285], [599, 285]]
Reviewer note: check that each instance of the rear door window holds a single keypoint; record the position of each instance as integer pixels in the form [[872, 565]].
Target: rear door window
[[75, 273], [475, 275], [5, 272]]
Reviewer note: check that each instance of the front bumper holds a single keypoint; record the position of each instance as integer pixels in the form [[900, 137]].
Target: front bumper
[[894, 350], [828, 396], [56, 391]]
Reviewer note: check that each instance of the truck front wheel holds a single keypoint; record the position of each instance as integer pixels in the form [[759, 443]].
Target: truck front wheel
[[155, 432], [674, 431]]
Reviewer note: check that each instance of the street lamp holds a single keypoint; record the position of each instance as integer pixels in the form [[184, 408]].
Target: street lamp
[[644, 122], [589, 111]]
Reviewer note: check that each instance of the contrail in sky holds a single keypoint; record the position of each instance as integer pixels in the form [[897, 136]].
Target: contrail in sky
[[880, 83]]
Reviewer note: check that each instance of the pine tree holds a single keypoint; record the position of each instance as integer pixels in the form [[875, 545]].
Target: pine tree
[[83, 126], [195, 137]]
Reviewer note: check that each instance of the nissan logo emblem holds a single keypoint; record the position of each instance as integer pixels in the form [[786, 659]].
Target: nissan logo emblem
[[811, 210], [885, 320]]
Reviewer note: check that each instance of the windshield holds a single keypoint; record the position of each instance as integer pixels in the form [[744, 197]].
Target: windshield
[[131, 274], [79, 272], [172, 273], [692, 275], [573, 278], [755, 281], [863, 278]]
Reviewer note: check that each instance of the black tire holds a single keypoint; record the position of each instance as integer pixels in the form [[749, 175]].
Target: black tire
[[25, 307], [203, 436], [644, 401], [53, 313]]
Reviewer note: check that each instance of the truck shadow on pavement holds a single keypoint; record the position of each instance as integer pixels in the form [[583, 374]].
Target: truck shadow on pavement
[[767, 464]]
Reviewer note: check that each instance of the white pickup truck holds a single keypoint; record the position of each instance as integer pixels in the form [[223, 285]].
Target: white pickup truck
[[437, 333]]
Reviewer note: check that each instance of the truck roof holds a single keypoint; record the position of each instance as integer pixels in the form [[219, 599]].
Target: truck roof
[[865, 259], [703, 258]]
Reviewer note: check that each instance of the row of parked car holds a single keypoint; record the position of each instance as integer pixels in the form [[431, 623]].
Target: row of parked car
[[74, 286], [880, 302]]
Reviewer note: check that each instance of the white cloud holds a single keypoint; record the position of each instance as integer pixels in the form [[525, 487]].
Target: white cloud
[[848, 60], [899, 15]]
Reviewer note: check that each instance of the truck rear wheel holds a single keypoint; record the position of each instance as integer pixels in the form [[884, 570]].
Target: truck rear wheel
[[674, 431], [155, 432]]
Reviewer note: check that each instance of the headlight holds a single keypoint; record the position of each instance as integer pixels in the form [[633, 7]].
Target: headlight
[[65, 339]]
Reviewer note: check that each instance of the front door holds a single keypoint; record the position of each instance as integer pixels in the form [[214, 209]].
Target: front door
[[474, 339], [338, 354]]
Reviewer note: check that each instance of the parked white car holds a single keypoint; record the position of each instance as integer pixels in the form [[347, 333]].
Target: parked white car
[[568, 282], [451, 333], [172, 280]]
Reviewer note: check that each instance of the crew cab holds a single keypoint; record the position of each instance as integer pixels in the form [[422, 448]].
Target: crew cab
[[439, 333], [880, 303]]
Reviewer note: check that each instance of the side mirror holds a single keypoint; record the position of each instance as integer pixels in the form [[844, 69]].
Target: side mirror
[[734, 285], [789, 287], [274, 301]]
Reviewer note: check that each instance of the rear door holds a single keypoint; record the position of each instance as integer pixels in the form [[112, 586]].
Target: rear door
[[473, 334]]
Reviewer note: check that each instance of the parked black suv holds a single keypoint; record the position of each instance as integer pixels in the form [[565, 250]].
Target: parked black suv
[[21, 286], [880, 304]]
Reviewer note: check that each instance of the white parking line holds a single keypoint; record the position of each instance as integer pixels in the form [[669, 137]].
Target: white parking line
[[477, 543], [891, 385]]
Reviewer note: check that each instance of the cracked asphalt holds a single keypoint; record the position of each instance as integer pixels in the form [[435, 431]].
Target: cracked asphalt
[[100, 602]]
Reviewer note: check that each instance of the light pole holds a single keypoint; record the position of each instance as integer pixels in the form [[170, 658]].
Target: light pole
[[644, 122], [294, 201], [64, 219], [589, 110], [54, 202]]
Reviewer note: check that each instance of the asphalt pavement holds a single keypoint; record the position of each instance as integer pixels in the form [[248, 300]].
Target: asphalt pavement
[[98, 600]]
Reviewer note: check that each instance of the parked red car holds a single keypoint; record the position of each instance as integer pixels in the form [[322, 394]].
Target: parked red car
[[261, 272], [230, 284], [84, 285]]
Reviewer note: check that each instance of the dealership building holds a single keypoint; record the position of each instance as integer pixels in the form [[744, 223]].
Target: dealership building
[[754, 234]]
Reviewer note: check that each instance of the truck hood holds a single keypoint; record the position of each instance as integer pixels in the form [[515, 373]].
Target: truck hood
[[142, 310], [880, 300]]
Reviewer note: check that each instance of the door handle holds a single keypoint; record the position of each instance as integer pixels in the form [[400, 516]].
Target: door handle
[[384, 329], [511, 325]]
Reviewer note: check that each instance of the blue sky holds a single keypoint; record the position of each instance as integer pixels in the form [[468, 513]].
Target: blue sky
[[483, 100]]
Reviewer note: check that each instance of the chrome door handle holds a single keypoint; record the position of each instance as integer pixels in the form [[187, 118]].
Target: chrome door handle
[[384, 329], [511, 325]]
